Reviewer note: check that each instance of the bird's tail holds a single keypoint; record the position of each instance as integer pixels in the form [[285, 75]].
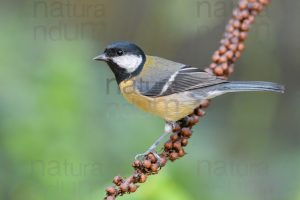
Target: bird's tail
[[245, 86]]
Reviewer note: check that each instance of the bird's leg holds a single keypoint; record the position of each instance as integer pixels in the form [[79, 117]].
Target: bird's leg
[[168, 129]]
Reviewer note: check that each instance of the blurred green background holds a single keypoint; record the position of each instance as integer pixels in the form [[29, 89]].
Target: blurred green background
[[65, 132]]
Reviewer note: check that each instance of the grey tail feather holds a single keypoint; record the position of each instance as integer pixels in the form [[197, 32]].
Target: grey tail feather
[[244, 86]]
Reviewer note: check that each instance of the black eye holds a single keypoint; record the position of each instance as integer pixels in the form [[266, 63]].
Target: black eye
[[120, 52]]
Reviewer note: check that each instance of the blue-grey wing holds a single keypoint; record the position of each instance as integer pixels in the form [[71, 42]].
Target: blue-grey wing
[[168, 78]]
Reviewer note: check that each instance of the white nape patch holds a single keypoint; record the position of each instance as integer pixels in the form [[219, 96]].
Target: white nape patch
[[128, 62]]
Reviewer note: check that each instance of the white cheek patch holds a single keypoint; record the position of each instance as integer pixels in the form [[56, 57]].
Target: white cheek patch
[[128, 62]]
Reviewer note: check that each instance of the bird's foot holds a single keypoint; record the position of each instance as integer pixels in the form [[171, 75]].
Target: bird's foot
[[169, 126]]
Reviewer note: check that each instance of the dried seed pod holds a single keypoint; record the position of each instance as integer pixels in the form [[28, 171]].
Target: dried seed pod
[[176, 128], [189, 120], [184, 142], [264, 2], [250, 5], [236, 33], [222, 49], [136, 163], [256, 6], [235, 14], [110, 198], [237, 55], [174, 156], [216, 56], [152, 158], [168, 145], [154, 168], [174, 137], [124, 187], [254, 13], [132, 187], [229, 55], [233, 47], [224, 66], [163, 161], [219, 71], [234, 40], [204, 103], [229, 28], [117, 180], [199, 112], [243, 5], [195, 119], [177, 145], [243, 35], [236, 24], [250, 20], [245, 26], [223, 59], [241, 47], [111, 191], [186, 132], [225, 42], [213, 65], [245, 14], [142, 178], [147, 164], [181, 153]]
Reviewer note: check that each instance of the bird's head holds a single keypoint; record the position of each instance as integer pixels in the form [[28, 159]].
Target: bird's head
[[125, 59]]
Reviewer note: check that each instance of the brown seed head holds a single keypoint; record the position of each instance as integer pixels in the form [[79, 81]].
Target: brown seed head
[[213, 65], [174, 137], [132, 187], [163, 161], [219, 71], [136, 163], [186, 132], [243, 36], [154, 168], [181, 152], [173, 156], [111, 191], [110, 198], [124, 187], [204, 103], [176, 128], [152, 158], [168, 145], [199, 112], [143, 178], [177, 145], [243, 5], [147, 164], [117, 180], [222, 49], [184, 142]]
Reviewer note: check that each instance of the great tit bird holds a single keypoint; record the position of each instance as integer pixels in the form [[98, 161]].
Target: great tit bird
[[165, 88]]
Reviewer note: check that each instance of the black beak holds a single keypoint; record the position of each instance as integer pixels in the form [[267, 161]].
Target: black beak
[[101, 57]]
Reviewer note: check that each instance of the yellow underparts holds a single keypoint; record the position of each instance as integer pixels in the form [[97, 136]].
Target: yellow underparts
[[170, 108]]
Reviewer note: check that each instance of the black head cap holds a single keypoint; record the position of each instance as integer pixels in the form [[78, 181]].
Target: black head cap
[[124, 58]]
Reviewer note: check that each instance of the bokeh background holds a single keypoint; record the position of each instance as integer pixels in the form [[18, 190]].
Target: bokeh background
[[65, 131]]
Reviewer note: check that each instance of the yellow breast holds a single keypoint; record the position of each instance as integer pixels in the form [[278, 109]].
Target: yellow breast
[[170, 108]]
